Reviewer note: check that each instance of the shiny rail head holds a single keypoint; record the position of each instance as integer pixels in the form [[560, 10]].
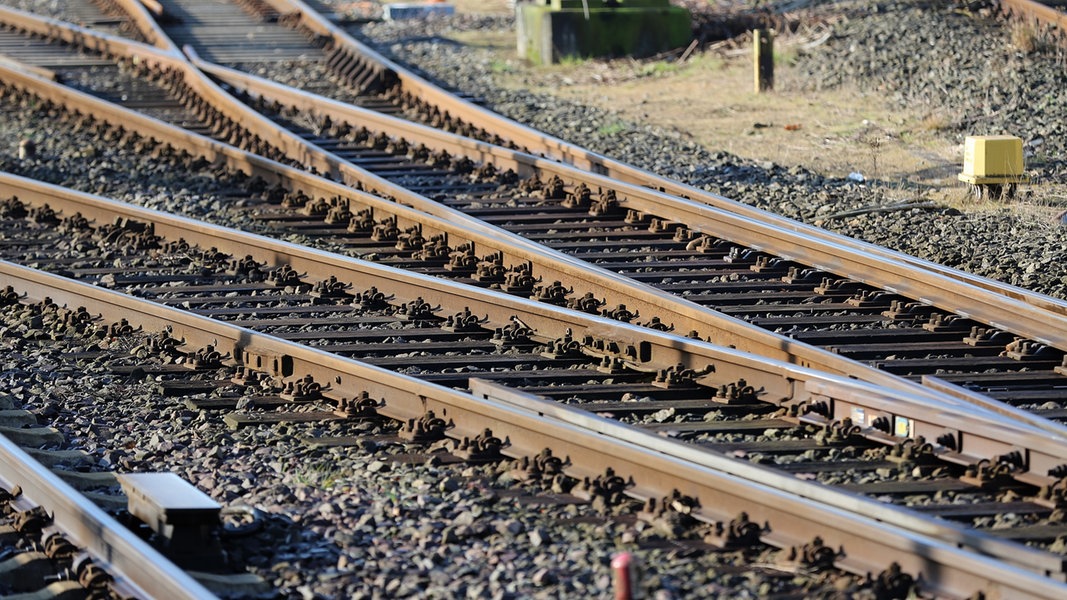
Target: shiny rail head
[[407, 398], [781, 382], [140, 567]]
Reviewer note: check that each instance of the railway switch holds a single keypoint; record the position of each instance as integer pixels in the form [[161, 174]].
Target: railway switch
[[993, 165]]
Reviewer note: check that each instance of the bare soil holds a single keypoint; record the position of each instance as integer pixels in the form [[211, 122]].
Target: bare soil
[[710, 98]]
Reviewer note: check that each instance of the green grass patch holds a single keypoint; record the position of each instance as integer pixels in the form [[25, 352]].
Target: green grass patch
[[500, 66], [786, 56], [658, 68], [572, 61], [614, 128], [320, 475]]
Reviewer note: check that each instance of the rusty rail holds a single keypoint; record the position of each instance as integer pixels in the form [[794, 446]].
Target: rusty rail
[[1027, 313], [537, 142], [550, 265], [138, 568], [144, 13], [302, 16], [1019, 314], [83, 37], [173, 65], [665, 447], [791, 520], [977, 434], [579, 275], [827, 391]]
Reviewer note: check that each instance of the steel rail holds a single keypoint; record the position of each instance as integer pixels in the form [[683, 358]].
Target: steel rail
[[797, 352], [551, 147], [665, 350], [1018, 316], [83, 37], [300, 15], [957, 293], [551, 265], [790, 520], [175, 66], [977, 435], [127, 557], [753, 472], [539, 143], [685, 316], [143, 14]]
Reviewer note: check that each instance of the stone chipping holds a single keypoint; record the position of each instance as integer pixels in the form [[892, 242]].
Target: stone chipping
[[937, 56], [355, 522], [358, 525], [341, 522]]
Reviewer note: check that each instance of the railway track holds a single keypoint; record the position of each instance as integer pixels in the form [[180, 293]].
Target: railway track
[[148, 425], [406, 351], [702, 262], [57, 543], [706, 256], [1046, 15], [110, 20], [364, 77]]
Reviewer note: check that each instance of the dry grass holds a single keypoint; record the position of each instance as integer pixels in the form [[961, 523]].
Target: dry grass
[[1024, 37], [934, 123], [709, 99]]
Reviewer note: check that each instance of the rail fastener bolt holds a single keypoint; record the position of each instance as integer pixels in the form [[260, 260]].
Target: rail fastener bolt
[[993, 165]]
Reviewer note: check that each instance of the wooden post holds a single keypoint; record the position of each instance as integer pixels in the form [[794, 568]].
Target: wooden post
[[763, 59]]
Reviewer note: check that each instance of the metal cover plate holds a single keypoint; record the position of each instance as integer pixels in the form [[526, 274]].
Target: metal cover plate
[[165, 498]]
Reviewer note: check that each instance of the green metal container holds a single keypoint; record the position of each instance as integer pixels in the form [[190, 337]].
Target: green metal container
[[551, 31]]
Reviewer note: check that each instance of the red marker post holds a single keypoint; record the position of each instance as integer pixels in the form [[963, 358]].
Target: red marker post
[[624, 569]]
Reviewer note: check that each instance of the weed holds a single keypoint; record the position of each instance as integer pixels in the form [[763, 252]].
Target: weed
[[873, 140], [935, 123], [612, 128], [785, 56], [572, 61], [1024, 37], [657, 68], [706, 60], [501, 66], [320, 475]]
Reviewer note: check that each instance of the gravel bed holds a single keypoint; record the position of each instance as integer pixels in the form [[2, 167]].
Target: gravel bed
[[93, 250], [374, 529], [926, 53], [362, 526], [352, 522]]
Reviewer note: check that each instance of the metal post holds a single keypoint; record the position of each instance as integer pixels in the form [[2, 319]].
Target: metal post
[[763, 59], [624, 567]]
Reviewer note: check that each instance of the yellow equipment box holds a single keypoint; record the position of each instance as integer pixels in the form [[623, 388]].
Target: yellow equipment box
[[996, 159]]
